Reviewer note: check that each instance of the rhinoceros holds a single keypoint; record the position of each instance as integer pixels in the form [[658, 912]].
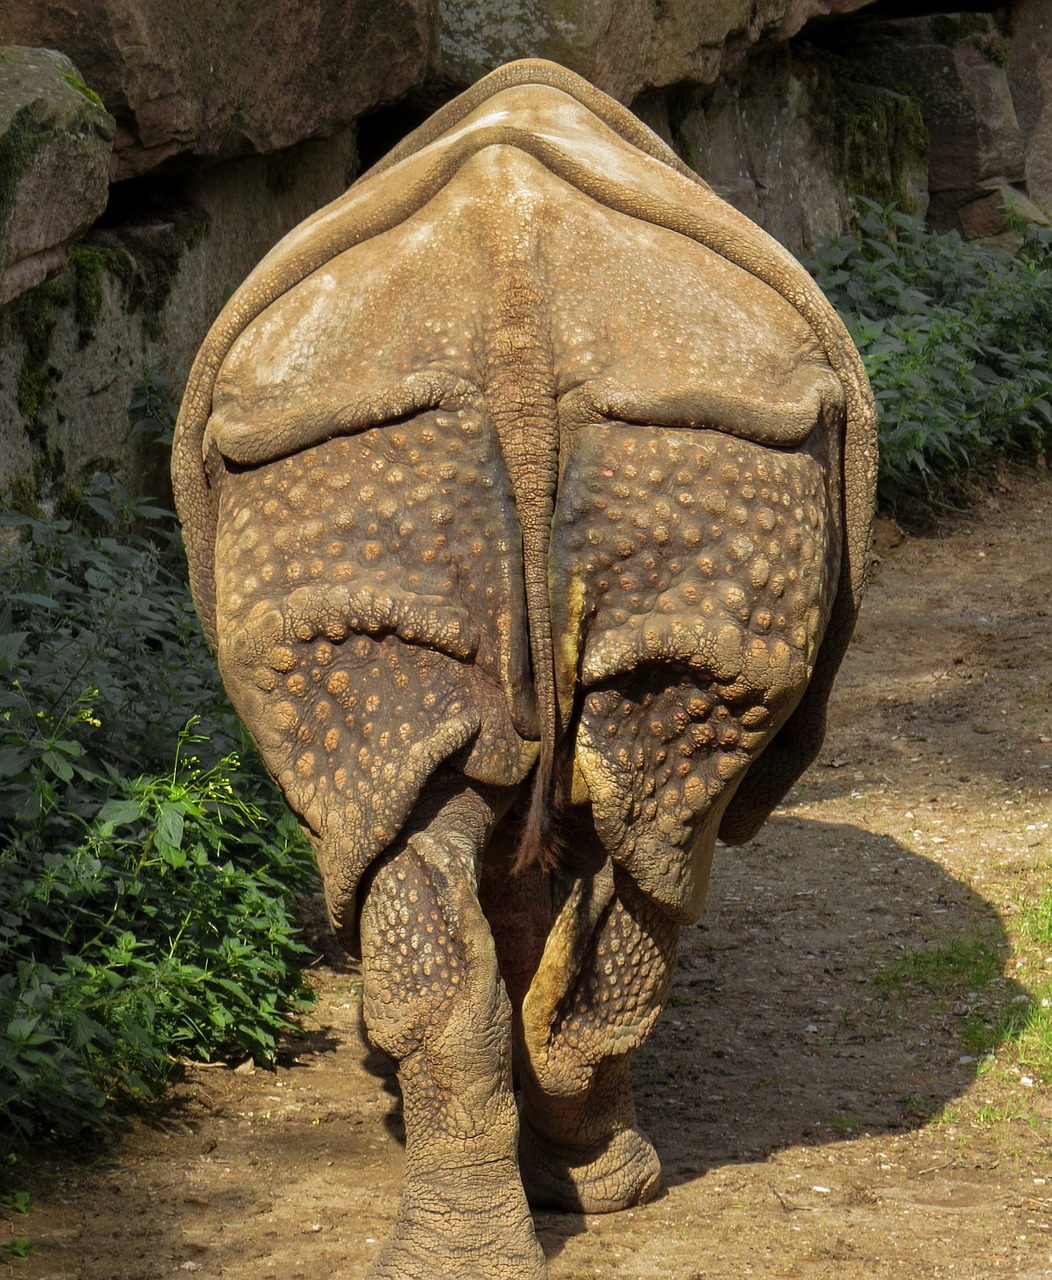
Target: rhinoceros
[[527, 493]]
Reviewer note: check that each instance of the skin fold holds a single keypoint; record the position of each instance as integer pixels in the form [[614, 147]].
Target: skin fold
[[526, 491]]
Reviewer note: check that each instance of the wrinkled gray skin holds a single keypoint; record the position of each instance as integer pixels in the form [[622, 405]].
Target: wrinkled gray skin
[[527, 492]]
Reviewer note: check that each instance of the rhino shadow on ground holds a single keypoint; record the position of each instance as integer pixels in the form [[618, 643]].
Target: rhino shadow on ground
[[800, 1012], [803, 1011], [837, 984]]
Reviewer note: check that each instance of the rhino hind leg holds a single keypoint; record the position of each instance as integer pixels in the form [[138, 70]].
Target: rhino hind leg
[[434, 1001], [596, 996]]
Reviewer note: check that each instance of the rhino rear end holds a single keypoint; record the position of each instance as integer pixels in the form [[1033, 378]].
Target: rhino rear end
[[527, 483]]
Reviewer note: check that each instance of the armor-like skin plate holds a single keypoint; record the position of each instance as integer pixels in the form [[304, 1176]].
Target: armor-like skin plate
[[526, 490]]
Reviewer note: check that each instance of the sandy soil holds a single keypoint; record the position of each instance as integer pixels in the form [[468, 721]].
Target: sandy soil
[[814, 1120]]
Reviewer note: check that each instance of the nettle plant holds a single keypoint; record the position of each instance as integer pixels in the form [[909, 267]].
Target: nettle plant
[[144, 874], [955, 337]]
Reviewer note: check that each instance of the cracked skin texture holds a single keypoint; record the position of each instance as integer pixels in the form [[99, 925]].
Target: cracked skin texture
[[527, 477]]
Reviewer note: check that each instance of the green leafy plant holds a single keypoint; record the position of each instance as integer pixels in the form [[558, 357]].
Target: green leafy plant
[[143, 900], [100, 649], [955, 338], [162, 933], [153, 409], [16, 1202]]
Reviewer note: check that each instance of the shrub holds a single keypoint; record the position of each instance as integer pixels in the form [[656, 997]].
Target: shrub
[[143, 907], [955, 337], [103, 653]]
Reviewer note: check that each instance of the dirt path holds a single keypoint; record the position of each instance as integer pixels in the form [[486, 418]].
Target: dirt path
[[814, 1118]]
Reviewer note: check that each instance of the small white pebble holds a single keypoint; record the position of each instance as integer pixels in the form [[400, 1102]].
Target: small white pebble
[[821, 1190]]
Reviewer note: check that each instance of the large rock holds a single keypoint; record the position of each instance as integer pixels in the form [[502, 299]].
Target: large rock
[[623, 46], [221, 78], [135, 301], [791, 136], [1030, 78], [700, 42], [54, 154], [956, 64]]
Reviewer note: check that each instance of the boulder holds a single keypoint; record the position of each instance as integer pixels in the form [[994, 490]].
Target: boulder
[[990, 213], [623, 46], [793, 134], [134, 302], [1030, 78], [219, 78], [54, 154], [698, 43], [956, 65]]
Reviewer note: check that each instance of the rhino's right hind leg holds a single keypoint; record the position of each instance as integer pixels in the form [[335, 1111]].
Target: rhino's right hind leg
[[434, 1001], [598, 992]]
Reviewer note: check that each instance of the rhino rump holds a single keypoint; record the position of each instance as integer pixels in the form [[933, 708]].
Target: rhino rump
[[649, 183]]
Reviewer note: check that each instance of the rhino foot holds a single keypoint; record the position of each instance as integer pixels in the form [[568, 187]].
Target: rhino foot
[[616, 1174], [464, 1231]]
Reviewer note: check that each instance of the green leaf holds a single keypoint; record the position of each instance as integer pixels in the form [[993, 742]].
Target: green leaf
[[13, 759], [117, 813], [106, 965], [58, 764], [170, 826], [11, 648], [34, 598]]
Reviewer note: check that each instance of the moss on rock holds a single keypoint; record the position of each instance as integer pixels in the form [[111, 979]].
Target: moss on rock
[[34, 316], [19, 143], [77, 290], [873, 131], [78, 84], [159, 258], [978, 29], [88, 263]]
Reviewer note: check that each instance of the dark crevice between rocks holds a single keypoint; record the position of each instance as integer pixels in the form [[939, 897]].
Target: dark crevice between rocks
[[836, 29], [152, 221], [382, 130]]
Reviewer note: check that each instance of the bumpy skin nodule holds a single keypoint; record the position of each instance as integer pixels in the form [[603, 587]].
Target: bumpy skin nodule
[[526, 487]]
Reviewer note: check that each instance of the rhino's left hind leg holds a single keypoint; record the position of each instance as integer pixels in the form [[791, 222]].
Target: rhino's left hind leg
[[433, 999], [598, 991]]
